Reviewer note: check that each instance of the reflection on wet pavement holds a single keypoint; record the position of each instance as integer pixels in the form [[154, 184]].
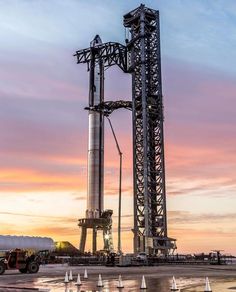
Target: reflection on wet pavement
[[159, 284], [158, 279], [56, 285]]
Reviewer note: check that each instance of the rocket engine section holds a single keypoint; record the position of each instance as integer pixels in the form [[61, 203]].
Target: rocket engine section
[[96, 136]]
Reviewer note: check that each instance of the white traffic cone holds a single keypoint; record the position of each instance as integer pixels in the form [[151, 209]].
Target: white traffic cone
[[66, 278], [120, 283], [100, 283], [174, 285], [143, 285], [70, 276], [207, 287], [78, 282], [85, 274]]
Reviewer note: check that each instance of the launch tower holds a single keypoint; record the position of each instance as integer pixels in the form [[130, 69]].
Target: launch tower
[[150, 220], [140, 57]]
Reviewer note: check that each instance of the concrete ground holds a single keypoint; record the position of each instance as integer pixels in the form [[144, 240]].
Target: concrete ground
[[158, 278]]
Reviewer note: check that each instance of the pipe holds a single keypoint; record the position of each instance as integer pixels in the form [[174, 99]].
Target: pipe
[[120, 187]]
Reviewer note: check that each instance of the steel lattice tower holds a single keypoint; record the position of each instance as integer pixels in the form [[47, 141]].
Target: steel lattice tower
[[142, 58], [150, 222]]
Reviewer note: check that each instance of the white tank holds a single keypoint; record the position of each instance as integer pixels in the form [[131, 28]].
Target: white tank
[[8, 242]]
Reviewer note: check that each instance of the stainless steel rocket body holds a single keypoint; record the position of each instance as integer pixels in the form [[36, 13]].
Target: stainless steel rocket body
[[95, 195]]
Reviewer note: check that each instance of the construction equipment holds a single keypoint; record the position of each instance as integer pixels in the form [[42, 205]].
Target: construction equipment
[[19, 259]]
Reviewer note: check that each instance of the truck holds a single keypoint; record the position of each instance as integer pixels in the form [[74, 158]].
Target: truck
[[19, 259]]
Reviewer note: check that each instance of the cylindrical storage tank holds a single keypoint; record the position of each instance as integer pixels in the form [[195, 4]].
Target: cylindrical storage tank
[[8, 242]]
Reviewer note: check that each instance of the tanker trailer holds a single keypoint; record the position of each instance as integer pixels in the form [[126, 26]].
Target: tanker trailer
[[30, 243]]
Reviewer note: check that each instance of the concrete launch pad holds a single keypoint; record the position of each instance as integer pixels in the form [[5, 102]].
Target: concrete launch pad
[[189, 278]]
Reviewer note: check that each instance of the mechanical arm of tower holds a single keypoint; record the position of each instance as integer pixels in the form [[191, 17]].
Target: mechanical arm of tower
[[110, 53], [141, 57], [109, 107]]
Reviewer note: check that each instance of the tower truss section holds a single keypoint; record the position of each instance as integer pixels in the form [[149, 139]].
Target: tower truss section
[[150, 218]]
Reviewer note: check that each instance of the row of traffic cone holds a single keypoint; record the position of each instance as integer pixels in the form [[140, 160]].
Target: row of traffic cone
[[70, 277], [120, 282], [99, 284], [175, 288]]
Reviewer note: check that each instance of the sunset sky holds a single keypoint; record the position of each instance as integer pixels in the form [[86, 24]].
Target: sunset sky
[[43, 124]]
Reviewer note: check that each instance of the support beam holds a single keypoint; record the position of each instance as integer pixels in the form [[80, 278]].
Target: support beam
[[94, 240], [83, 237]]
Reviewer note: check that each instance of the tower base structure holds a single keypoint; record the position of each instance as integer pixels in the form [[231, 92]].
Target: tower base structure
[[155, 245], [104, 223]]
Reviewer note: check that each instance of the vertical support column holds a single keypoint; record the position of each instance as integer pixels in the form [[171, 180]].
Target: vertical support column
[[119, 209], [101, 138], [105, 239], [94, 239], [161, 117], [83, 238], [136, 238], [144, 127]]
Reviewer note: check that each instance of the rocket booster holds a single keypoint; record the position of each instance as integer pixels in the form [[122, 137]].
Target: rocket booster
[[95, 187]]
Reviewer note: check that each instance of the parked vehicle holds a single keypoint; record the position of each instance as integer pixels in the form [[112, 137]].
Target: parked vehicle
[[142, 256], [20, 260]]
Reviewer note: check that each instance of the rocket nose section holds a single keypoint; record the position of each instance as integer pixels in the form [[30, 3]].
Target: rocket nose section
[[96, 41]]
